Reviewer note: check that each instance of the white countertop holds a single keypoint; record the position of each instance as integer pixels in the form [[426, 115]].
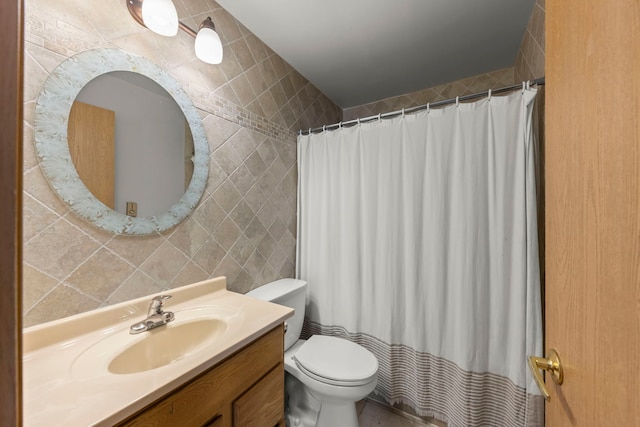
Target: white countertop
[[57, 392]]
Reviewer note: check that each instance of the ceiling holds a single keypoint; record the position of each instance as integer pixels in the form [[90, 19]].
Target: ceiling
[[359, 51]]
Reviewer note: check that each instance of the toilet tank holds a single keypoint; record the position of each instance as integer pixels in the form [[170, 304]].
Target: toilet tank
[[290, 293]]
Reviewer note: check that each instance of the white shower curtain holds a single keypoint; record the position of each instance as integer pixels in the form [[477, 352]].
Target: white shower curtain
[[418, 238]]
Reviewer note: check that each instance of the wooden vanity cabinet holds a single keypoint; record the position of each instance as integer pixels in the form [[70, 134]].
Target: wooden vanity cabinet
[[244, 390]]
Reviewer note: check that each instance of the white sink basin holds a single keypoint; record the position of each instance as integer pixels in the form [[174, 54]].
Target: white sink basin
[[192, 332], [166, 344]]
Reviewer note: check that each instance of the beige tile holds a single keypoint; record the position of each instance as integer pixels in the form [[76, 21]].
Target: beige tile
[[242, 250], [135, 249], [277, 259], [137, 285], [226, 196], [35, 285], [59, 249], [229, 268], [61, 302], [191, 273], [242, 178], [216, 176], [100, 274], [243, 90], [35, 217], [209, 215], [270, 77], [226, 26], [243, 53], [255, 231], [257, 48], [268, 104], [227, 92], [209, 255], [268, 214], [228, 157], [256, 81], [196, 7], [189, 237], [164, 264], [288, 269], [36, 185], [242, 283], [255, 264], [256, 108], [227, 234], [96, 233], [268, 274], [242, 215]]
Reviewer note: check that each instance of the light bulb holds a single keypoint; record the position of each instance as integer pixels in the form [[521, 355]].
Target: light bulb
[[160, 16], [208, 45]]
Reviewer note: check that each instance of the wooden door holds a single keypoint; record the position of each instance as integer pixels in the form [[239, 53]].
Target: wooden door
[[10, 210], [91, 137], [593, 210]]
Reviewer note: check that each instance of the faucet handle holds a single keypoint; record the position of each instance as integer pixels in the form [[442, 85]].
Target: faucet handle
[[156, 304], [161, 298]]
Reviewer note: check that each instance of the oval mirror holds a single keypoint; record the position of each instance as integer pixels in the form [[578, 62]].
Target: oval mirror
[[120, 142]]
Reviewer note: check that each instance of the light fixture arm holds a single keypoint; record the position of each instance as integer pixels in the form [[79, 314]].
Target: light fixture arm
[[135, 9], [184, 27]]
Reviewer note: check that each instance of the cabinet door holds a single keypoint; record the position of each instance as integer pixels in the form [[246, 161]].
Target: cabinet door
[[263, 404]]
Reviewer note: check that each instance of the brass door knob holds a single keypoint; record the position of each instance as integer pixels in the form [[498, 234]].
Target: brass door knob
[[552, 365]]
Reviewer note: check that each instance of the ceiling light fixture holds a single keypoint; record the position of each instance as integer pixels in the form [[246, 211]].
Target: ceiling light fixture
[[160, 16]]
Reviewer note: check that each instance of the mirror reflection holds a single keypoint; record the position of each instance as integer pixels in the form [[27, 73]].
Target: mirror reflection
[[130, 143], [120, 142]]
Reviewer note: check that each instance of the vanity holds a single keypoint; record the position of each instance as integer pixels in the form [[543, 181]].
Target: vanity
[[218, 363]]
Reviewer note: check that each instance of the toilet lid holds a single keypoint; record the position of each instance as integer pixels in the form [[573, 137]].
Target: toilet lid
[[336, 361]]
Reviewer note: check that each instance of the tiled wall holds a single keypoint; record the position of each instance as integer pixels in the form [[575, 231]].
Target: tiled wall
[[244, 227], [530, 59]]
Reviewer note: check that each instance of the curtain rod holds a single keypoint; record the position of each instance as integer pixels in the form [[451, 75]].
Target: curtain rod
[[539, 81]]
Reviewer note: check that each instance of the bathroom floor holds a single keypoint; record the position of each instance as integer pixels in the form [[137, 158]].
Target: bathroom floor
[[372, 414]]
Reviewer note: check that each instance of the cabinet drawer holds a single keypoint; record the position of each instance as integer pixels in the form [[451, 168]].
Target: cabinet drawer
[[263, 404], [212, 393]]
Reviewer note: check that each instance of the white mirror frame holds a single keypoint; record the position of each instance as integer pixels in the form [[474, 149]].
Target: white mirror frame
[[50, 135]]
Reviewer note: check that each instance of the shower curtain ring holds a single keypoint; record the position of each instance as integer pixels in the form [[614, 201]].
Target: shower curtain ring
[[340, 125], [324, 127], [379, 116], [457, 101], [403, 113], [428, 107], [489, 95]]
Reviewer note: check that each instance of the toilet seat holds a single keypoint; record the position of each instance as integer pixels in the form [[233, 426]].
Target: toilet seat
[[336, 361]]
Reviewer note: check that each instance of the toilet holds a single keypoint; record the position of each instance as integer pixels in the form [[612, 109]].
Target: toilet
[[325, 376]]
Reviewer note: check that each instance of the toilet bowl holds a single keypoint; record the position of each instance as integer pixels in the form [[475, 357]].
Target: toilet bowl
[[325, 376]]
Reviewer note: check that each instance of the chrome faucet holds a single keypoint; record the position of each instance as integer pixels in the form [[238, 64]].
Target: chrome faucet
[[155, 316]]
